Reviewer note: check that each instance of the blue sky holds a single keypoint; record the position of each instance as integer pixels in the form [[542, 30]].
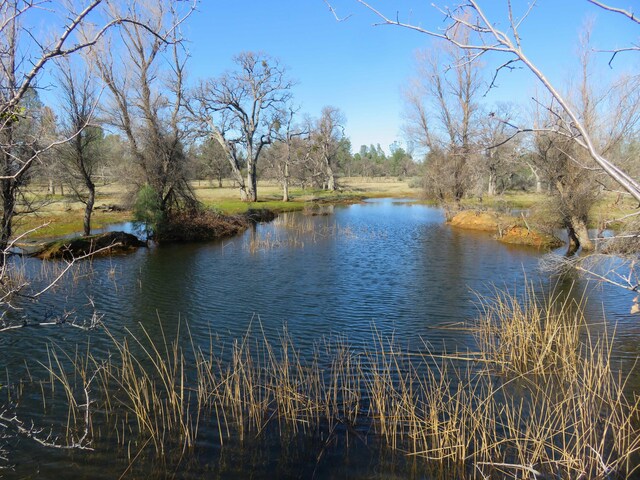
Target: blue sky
[[361, 68]]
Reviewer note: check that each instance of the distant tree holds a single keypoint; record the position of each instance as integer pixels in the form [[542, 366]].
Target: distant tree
[[326, 137], [293, 146], [243, 110], [117, 161], [212, 162], [48, 169], [400, 163], [443, 116], [499, 152]]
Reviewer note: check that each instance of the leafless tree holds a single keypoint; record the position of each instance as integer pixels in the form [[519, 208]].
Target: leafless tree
[[484, 36], [243, 109], [143, 68], [26, 55], [80, 156], [575, 188], [293, 146], [326, 137], [610, 113], [498, 158], [443, 117]]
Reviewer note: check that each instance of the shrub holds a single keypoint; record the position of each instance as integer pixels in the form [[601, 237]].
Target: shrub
[[147, 211]]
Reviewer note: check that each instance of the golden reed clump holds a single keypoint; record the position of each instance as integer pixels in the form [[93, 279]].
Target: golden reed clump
[[538, 399]]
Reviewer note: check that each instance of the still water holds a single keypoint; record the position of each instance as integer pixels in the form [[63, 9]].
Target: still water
[[384, 265]]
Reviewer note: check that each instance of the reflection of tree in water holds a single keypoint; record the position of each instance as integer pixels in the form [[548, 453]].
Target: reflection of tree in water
[[165, 285]]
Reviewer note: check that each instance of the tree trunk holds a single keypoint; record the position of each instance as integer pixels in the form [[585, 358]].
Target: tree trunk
[[574, 243], [578, 236], [331, 180], [88, 209], [491, 189], [8, 210], [252, 183], [285, 183], [537, 177], [52, 187], [580, 228]]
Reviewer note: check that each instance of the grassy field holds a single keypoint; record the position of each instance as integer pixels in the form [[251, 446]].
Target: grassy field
[[59, 215]]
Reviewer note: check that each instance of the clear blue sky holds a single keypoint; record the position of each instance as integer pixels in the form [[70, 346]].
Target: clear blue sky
[[361, 68]]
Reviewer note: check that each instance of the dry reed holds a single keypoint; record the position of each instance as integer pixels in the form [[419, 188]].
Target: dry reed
[[542, 401]]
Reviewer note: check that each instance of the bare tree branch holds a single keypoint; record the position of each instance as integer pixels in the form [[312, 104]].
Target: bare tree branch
[[630, 15], [472, 17]]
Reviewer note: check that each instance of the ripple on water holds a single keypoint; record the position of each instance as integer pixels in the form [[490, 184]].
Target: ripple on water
[[384, 265]]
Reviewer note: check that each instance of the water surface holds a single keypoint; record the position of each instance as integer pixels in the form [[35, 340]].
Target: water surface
[[384, 265]]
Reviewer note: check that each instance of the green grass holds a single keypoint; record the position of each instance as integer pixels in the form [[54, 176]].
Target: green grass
[[512, 200], [59, 224], [234, 207]]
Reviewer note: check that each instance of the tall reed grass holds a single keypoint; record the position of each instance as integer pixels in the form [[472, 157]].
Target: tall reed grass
[[540, 399], [293, 232]]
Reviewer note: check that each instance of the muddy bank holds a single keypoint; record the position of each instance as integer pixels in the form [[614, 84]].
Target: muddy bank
[[506, 229], [183, 227], [108, 243], [519, 235], [209, 225]]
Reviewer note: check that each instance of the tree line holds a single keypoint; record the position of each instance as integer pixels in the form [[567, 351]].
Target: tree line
[[124, 113], [474, 148]]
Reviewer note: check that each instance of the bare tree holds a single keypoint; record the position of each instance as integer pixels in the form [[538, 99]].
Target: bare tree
[[471, 17], [326, 138], [81, 155], [610, 113], [293, 146], [143, 69], [575, 189], [499, 158], [24, 56], [443, 116], [243, 109]]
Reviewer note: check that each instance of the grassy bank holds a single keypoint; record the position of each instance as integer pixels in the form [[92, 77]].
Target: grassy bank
[[59, 215], [609, 206]]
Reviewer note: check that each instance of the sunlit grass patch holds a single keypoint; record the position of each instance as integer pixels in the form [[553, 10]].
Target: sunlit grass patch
[[59, 224]]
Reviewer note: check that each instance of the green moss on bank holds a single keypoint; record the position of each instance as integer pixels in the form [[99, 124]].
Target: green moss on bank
[[101, 244]]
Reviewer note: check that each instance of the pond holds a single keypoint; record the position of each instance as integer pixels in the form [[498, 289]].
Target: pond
[[381, 269]]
